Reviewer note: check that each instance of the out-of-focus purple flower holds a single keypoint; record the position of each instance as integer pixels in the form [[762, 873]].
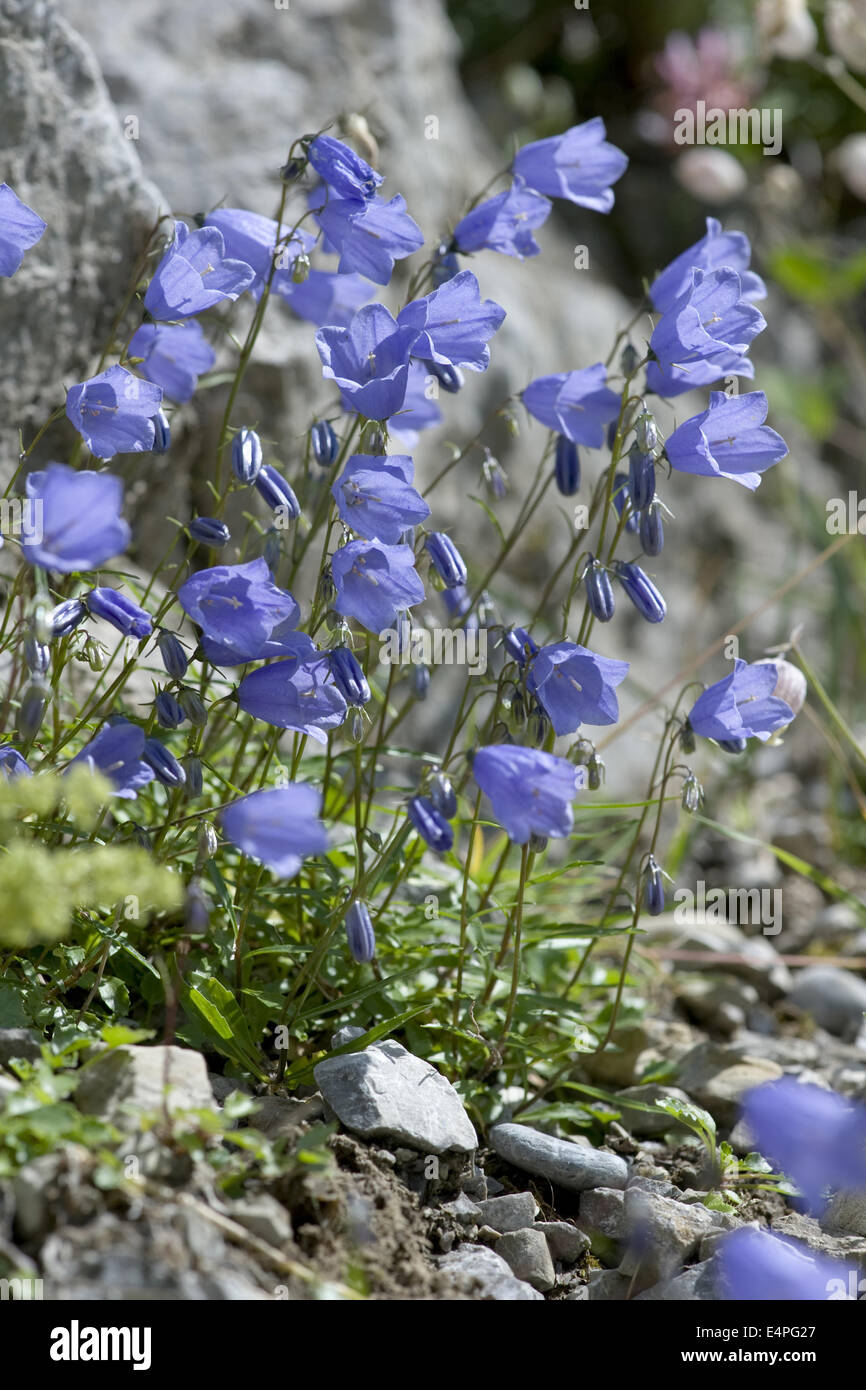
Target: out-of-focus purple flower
[[80, 526], [714, 250], [419, 410], [359, 932], [579, 165], [174, 356], [122, 612], [20, 228], [520, 645], [531, 791], [374, 582], [816, 1137], [252, 239], [706, 332], [12, 764], [729, 440], [194, 274], [759, 1267], [575, 686], [430, 824], [326, 297], [375, 496], [576, 404], [368, 361], [117, 752], [741, 705], [454, 324], [115, 412], [344, 171], [297, 693], [371, 236], [504, 223], [242, 613], [280, 827]]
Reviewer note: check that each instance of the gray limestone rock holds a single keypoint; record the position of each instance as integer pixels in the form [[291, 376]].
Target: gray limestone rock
[[573, 1166]]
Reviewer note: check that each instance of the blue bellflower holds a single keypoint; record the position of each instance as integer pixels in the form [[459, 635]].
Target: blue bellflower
[[530, 791], [760, 1267], [370, 237], [816, 1137], [741, 705], [344, 171], [81, 526], [326, 297], [252, 239], [117, 752], [12, 763], [575, 686], [376, 499], [577, 404], [729, 440], [714, 250], [279, 827], [454, 324], [173, 356], [194, 274], [115, 412], [374, 582], [122, 612], [20, 228], [368, 361], [296, 693], [579, 165], [241, 612], [504, 223], [704, 334], [359, 932]]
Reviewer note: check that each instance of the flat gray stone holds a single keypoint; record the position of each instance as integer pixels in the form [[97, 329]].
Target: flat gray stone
[[464, 1210], [385, 1092], [264, 1216], [121, 1083], [608, 1286], [512, 1212], [528, 1255], [835, 998], [699, 1284], [481, 1273], [566, 1242], [660, 1236], [575, 1167], [846, 1215]]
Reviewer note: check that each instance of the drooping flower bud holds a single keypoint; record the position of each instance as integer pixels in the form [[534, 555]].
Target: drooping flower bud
[[449, 378], [168, 712], [641, 590], [122, 612], [197, 908], [246, 456], [430, 824], [687, 738], [595, 772], [642, 477], [300, 268], [537, 843], [173, 655], [419, 680], [348, 676], [163, 763], [372, 439], [495, 478], [652, 533], [161, 433], [193, 706], [356, 725], [94, 654], [567, 466], [192, 771], [693, 794], [653, 888], [359, 932], [34, 703], [208, 841], [519, 645], [645, 432], [65, 617], [538, 727], [273, 487], [732, 745], [445, 264], [629, 360], [599, 591], [446, 559], [324, 443], [622, 501], [209, 530], [37, 655], [443, 796], [580, 753]]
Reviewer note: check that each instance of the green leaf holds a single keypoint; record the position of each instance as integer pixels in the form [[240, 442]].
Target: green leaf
[[219, 1013]]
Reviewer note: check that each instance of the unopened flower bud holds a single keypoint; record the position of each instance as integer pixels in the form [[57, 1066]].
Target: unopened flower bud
[[37, 655], [443, 796], [629, 360], [645, 432], [272, 486], [34, 703], [208, 842], [599, 591], [537, 843], [173, 655], [209, 530], [419, 681], [246, 456], [567, 466], [449, 378], [653, 888], [595, 772], [197, 908], [651, 530], [494, 477], [642, 477], [622, 501], [192, 772], [300, 268], [359, 932], [65, 617], [324, 443], [692, 793], [430, 824], [641, 590], [193, 706], [372, 439], [161, 433], [163, 763], [168, 712], [446, 559]]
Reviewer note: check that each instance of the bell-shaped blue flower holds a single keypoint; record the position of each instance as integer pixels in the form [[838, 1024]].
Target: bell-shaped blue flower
[[20, 228], [504, 223], [575, 686], [579, 165], [368, 361], [577, 404], [376, 499], [242, 613], [344, 171], [814, 1136], [173, 356], [117, 752], [115, 412], [296, 693], [375, 582], [279, 827], [729, 440], [454, 324], [74, 520], [741, 705], [194, 274], [714, 250], [531, 791]]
